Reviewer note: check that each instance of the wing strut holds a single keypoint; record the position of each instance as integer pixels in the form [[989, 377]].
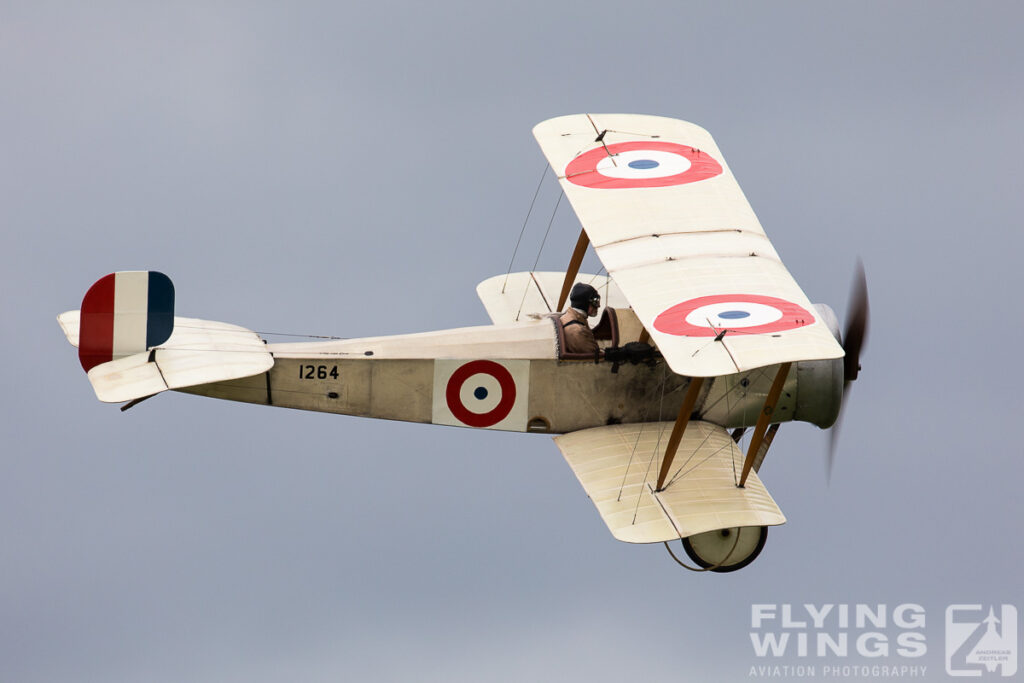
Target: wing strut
[[763, 420], [574, 267], [685, 411]]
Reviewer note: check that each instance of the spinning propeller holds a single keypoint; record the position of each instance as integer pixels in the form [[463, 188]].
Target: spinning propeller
[[854, 338]]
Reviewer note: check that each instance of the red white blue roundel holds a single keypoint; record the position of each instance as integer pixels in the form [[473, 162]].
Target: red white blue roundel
[[481, 393], [706, 316], [644, 163]]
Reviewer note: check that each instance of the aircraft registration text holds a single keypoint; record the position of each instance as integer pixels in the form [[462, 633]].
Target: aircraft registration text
[[318, 371]]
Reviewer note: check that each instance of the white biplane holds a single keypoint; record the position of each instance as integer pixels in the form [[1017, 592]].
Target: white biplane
[[704, 334]]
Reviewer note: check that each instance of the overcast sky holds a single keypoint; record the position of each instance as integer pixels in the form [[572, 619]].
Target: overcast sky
[[356, 170]]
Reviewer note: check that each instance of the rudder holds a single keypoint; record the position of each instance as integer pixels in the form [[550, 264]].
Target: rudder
[[125, 313]]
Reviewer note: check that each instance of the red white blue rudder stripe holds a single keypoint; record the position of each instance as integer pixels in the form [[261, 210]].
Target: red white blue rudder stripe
[[125, 313]]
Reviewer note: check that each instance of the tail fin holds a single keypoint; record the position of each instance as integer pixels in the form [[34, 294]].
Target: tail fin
[[125, 313]]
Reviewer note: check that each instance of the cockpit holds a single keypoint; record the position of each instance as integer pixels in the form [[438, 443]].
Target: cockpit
[[615, 326]]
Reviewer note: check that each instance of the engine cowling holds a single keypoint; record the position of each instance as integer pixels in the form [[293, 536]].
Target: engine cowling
[[820, 382]]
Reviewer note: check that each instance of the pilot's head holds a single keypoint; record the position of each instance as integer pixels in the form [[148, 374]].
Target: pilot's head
[[583, 297]]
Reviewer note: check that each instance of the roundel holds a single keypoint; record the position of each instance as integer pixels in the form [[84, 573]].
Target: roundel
[[706, 316], [481, 393], [645, 163]]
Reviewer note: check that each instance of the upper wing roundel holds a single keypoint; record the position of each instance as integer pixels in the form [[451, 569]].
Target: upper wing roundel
[[678, 237], [642, 163]]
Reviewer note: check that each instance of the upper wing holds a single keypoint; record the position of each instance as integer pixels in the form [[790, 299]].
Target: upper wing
[[675, 232]]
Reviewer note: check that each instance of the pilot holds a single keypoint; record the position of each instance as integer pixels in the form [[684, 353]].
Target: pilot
[[584, 301]]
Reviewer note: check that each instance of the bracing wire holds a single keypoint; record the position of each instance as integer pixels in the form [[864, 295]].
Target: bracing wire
[[303, 336], [680, 472], [639, 433], [548, 231], [523, 230], [186, 326], [541, 249], [657, 446]]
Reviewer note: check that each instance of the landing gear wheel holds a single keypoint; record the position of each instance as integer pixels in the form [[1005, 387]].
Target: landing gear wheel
[[722, 551]]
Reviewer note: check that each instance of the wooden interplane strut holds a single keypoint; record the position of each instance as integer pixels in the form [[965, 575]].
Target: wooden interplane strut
[[763, 420], [574, 267], [689, 401]]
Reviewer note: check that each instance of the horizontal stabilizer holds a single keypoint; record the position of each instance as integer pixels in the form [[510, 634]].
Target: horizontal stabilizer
[[197, 352], [618, 467]]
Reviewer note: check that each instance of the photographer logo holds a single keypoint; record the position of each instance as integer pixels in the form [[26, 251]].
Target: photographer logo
[[981, 640]]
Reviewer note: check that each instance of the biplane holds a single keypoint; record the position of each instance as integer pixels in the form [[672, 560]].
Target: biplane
[[703, 333]]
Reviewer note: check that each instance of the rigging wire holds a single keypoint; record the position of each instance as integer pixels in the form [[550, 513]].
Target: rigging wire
[[654, 453], [186, 326], [597, 275], [606, 285], [525, 221], [522, 231], [304, 336], [680, 472], [728, 412], [743, 437], [548, 231], [540, 250], [639, 433]]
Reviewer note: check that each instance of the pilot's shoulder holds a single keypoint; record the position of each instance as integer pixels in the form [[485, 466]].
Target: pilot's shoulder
[[571, 316]]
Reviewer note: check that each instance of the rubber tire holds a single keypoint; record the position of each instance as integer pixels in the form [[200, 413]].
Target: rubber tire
[[733, 565]]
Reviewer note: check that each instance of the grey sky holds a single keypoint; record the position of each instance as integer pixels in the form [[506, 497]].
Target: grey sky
[[356, 170]]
